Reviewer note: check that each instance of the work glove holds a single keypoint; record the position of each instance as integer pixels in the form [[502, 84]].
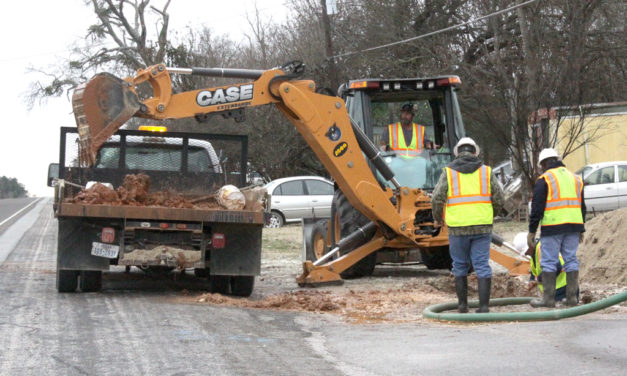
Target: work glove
[[580, 237], [531, 240]]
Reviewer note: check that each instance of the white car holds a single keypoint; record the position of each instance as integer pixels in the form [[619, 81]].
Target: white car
[[299, 197], [605, 185]]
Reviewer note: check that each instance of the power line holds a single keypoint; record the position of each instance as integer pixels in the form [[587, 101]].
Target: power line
[[435, 32]]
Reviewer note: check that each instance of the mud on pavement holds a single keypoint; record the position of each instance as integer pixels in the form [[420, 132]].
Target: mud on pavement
[[392, 294]]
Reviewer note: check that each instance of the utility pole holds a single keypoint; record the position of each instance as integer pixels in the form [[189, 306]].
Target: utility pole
[[326, 23]]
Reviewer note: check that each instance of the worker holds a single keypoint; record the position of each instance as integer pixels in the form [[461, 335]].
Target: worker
[[467, 196], [396, 135], [535, 257], [558, 208]]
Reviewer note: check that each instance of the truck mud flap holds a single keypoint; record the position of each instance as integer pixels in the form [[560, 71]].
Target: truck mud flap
[[74, 246], [242, 252]]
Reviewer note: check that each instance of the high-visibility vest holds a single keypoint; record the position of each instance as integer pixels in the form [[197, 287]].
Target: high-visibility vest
[[536, 269], [563, 199], [469, 198], [397, 140]]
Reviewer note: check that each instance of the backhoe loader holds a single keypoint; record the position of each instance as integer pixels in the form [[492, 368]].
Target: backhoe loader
[[377, 210]]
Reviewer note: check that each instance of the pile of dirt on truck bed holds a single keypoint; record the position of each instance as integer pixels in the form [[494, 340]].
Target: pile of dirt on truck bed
[[135, 191], [603, 254]]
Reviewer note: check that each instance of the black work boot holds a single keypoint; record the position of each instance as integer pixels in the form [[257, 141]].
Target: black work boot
[[572, 285], [548, 299], [461, 288], [485, 285]]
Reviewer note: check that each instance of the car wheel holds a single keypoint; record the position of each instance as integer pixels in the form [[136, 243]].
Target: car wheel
[[276, 220]]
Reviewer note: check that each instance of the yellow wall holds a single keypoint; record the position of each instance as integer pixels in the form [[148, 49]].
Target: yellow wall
[[609, 144]]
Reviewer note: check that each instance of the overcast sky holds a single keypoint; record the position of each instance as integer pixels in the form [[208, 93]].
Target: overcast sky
[[38, 33]]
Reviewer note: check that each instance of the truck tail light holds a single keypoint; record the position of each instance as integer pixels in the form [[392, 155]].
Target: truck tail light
[[107, 235], [218, 240], [163, 225]]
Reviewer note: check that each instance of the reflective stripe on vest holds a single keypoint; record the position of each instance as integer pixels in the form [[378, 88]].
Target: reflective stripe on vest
[[397, 139], [469, 198], [536, 269], [563, 199]]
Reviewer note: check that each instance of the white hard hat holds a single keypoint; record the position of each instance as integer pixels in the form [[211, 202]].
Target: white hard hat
[[520, 242], [466, 141], [547, 153]]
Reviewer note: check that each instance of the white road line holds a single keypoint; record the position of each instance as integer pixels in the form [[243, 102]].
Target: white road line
[[19, 211]]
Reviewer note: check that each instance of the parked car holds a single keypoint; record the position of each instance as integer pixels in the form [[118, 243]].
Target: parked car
[[605, 185], [299, 197]]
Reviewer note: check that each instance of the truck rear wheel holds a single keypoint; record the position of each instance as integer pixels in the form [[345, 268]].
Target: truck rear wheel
[[242, 285], [67, 280], [91, 280], [220, 283], [350, 220]]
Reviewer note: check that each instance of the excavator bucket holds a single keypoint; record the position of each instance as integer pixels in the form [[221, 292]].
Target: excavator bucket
[[101, 106]]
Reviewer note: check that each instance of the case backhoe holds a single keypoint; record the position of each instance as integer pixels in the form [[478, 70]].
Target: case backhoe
[[398, 217]]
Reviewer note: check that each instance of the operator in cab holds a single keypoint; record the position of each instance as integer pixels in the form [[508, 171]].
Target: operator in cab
[[466, 198], [405, 137]]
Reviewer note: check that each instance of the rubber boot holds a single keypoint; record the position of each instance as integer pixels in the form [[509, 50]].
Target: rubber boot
[[461, 288], [485, 285], [572, 285], [548, 299]]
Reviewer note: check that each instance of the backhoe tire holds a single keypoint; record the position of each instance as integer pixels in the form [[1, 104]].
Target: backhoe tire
[[437, 258], [350, 220], [242, 285], [315, 244], [67, 280], [90, 280]]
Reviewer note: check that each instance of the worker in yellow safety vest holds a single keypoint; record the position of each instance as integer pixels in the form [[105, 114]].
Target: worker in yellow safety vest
[[520, 242], [396, 135], [466, 198], [558, 208]]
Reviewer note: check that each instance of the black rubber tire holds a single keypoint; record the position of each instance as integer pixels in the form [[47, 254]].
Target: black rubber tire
[[242, 285], [220, 284], [350, 220], [437, 258], [315, 245], [276, 220], [90, 280], [67, 280], [201, 272]]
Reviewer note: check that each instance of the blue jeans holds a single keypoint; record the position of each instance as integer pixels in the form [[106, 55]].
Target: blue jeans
[[465, 249], [551, 247]]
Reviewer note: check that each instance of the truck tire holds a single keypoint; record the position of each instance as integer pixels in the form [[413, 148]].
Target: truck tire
[[437, 258], [315, 246], [67, 280], [220, 284], [350, 220], [201, 272], [91, 280], [242, 285]]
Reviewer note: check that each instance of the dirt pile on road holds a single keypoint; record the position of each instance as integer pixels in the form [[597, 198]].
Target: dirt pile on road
[[135, 191], [603, 254]]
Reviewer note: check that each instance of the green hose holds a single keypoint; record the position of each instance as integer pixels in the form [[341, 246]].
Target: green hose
[[433, 312]]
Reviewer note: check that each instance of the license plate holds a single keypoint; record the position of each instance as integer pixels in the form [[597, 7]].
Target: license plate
[[105, 250]]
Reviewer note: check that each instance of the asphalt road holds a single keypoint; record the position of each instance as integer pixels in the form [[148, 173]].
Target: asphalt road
[[132, 329]]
